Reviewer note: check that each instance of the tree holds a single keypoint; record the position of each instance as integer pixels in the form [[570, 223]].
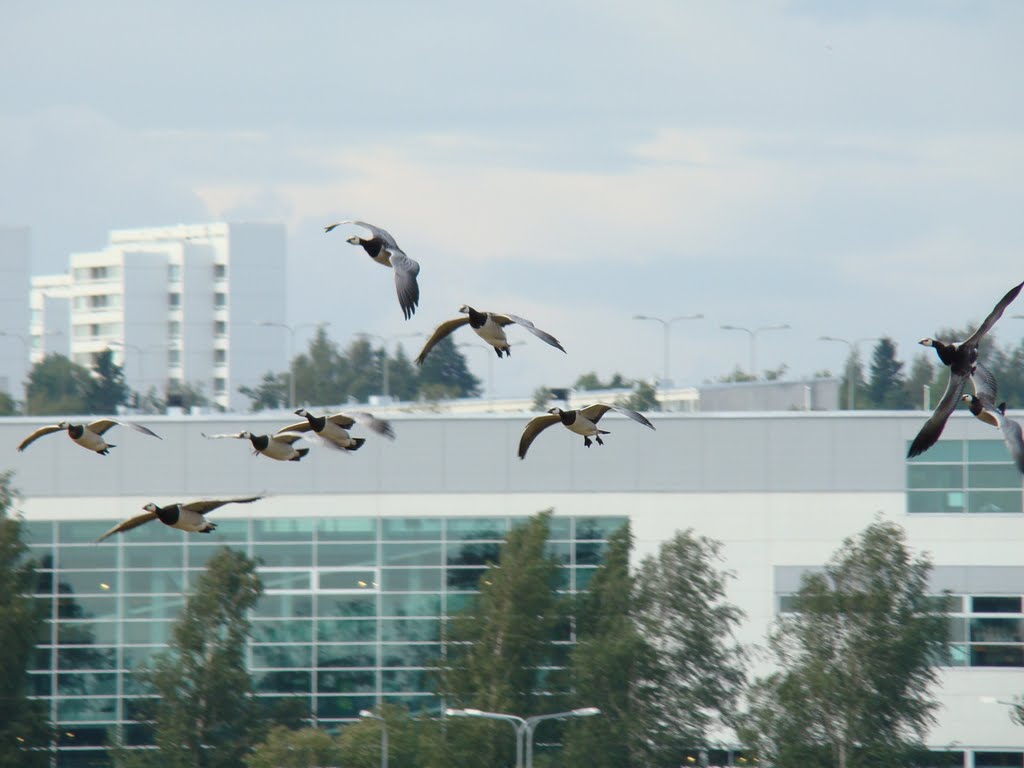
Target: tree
[[611, 667], [854, 370], [8, 405], [321, 373], [107, 388], [736, 376], [57, 386], [304, 748], [922, 373], [186, 395], [412, 741], [644, 397], [24, 724], [444, 373], [205, 713], [682, 613], [857, 661], [402, 378], [500, 651], [271, 393], [590, 381], [886, 387]]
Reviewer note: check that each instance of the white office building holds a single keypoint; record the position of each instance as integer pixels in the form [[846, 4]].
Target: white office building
[[179, 305]]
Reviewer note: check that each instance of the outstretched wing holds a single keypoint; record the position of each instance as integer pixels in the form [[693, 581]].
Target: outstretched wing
[[287, 437], [127, 525], [596, 411], [439, 333], [994, 315], [383, 234], [406, 286], [544, 336], [37, 434], [534, 428], [371, 422], [202, 507], [236, 435], [300, 426], [932, 429], [1013, 438], [102, 425], [342, 420]]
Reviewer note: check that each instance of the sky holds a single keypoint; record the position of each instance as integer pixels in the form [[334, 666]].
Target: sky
[[848, 169]]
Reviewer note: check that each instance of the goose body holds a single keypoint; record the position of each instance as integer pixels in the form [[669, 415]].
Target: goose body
[[190, 517], [489, 326], [279, 446], [383, 249], [581, 422], [333, 430], [89, 436], [961, 357]]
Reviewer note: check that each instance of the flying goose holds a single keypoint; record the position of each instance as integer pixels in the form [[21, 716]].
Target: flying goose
[[278, 446], [489, 326], [185, 517], [333, 430], [582, 422], [383, 249], [983, 406], [88, 436], [961, 357]]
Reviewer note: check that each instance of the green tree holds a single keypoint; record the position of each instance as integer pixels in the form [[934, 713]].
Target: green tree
[[205, 713], [857, 661], [854, 369], [8, 405], [321, 373], [886, 387], [403, 381], [186, 395], [364, 371], [24, 724], [922, 373], [444, 374], [644, 397], [590, 381], [107, 388], [57, 386], [612, 667], [737, 375], [304, 748], [683, 614], [271, 393], [500, 651], [412, 741]]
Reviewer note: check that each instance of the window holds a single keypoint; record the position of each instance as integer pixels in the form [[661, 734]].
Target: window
[[220, 299], [220, 356], [174, 272], [174, 300], [958, 476], [173, 356], [220, 271], [220, 328], [174, 329], [220, 385]]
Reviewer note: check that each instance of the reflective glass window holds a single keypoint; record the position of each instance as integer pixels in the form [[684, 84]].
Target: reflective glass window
[[997, 656], [168, 556], [464, 579], [936, 501], [153, 606], [411, 528], [73, 607], [416, 630], [283, 529], [995, 604], [598, 527], [340, 555], [559, 551], [71, 710], [410, 579], [86, 632], [425, 553], [410, 654], [292, 581], [282, 656], [346, 630], [338, 707], [401, 680], [344, 606], [86, 557], [987, 450], [354, 580], [998, 759], [147, 632], [993, 476], [346, 680], [154, 581], [346, 655], [283, 681], [986, 630], [84, 531], [410, 605], [38, 531], [480, 553], [937, 476], [272, 606], [346, 528], [136, 657], [942, 451], [994, 501], [198, 556], [282, 631], [283, 555], [469, 528], [87, 684]]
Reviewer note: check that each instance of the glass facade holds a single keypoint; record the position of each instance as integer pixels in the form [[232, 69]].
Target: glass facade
[[352, 615], [956, 476]]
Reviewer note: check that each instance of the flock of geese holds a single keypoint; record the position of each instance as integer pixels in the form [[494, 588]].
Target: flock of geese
[[961, 357], [333, 430]]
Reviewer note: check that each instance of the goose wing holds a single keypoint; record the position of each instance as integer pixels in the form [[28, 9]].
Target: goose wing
[[342, 420], [985, 385], [208, 505], [102, 425], [1013, 438], [596, 411], [371, 422], [439, 333], [383, 234], [287, 437], [932, 428], [299, 426], [544, 336], [534, 428], [39, 433], [127, 525], [406, 287], [236, 435], [994, 315]]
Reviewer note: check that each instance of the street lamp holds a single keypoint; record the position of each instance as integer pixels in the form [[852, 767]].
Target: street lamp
[[666, 328], [524, 726], [753, 339], [386, 340], [291, 350], [851, 401], [383, 735]]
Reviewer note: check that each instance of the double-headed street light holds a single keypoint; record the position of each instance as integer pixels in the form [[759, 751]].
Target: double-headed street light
[[666, 326], [851, 393], [524, 726], [365, 713], [291, 350], [753, 339]]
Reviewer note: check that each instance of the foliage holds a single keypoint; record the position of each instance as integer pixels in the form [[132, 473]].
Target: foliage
[[304, 748], [186, 395], [8, 405], [107, 388], [57, 386], [403, 382], [682, 613], [498, 648], [886, 386], [857, 661], [444, 374], [541, 398], [271, 393], [205, 713], [320, 373], [922, 373], [776, 374], [737, 375], [590, 381], [644, 397], [412, 741], [23, 722]]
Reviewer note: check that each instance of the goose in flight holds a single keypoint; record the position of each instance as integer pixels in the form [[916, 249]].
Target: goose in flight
[[89, 436], [383, 249], [961, 357], [279, 446], [333, 430], [582, 422], [489, 326], [185, 517], [983, 405]]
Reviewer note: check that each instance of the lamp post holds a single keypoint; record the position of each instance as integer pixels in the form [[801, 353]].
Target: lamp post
[[851, 393], [140, 354], [666, 326], [753, 339], [291, 350], [383, 735], [523, 726], [386, 340]]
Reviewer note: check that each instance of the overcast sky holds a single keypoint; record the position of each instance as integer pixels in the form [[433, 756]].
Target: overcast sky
[[851, 169]]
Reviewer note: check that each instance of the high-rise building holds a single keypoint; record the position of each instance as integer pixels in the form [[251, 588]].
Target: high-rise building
[[181, 305]]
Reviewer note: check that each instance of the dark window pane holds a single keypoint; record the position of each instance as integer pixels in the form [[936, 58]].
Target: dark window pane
[[416, 703], [138, 735], [402, 680], [994, 501], [426, 553], [410, 605], [86, 684], [282, 656], [346, 681], [346, 630], [559, 551], [40, 684], [87, 632], [87, 607], [458, 603], [337, 707], [411, 529], [997, 630], [136, 657], [997, 656], [469, 528], [287, 606], [935, 476], [347, 656], [282, 631], [995, 604], [589, 553], [410, 655], [340, 555], [410, 629], [354, 580], [598, 527], [583, 577], [464, 579], [290, 681], [344, 606], [998, 759], [76, 710], [346, 528], [473, 554]]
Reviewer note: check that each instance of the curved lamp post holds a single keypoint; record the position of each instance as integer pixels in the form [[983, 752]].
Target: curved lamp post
[[523, 726], [753, 339], [851, 394], [365, 713], [666, 326]]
